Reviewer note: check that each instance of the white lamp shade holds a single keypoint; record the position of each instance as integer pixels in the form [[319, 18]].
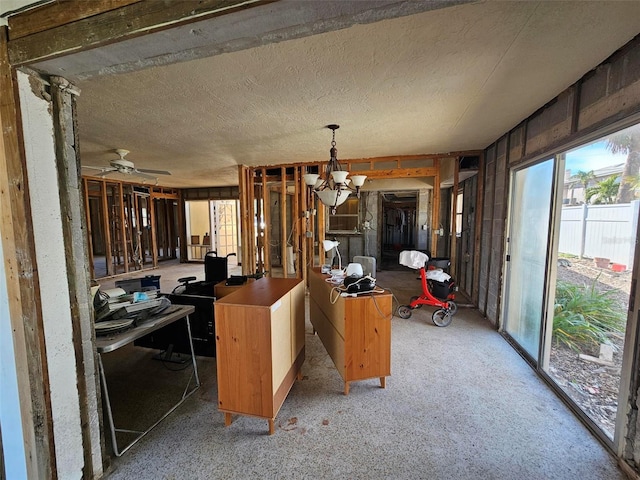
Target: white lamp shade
[[310, 179], [342, 196], [358, 180], [331, 198], [339, 176], [329, 244]]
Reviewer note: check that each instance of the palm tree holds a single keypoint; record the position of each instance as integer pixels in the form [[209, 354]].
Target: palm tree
[[628, 142], [583, 178], [604, 191]]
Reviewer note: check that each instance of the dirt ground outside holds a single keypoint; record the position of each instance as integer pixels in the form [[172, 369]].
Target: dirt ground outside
[[594, 387]]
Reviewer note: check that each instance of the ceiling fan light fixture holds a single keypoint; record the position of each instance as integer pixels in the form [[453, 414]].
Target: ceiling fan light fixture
[[333, 187]]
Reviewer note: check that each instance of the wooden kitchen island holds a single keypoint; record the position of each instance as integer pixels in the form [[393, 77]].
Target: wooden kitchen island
[[355, 331], [259, 347]]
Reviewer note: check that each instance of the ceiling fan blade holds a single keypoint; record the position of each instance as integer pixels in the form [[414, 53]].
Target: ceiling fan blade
[[106, 172], [138, 173], [156, 172], [94, 168]]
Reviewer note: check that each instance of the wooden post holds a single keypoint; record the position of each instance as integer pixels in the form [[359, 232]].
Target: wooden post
[[283, 219], [85, 187], [321, 211], [154, 231], [435, 223], [21, 275], [108, 255], [304, 225], [454, 217], [76, 253], [266, 198], [244, 222], [125, 230], [295, 223]]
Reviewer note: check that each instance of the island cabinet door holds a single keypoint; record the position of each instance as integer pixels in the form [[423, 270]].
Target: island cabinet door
[[245, 377], [368, 337]]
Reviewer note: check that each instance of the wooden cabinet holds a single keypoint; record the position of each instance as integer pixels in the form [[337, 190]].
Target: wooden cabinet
[[221, 289], [260, 346], [355, 331]]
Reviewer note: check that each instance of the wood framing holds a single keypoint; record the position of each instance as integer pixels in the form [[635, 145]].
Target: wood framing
[[59, 13], [22, 282], [283, 220], [308, 215], [106, 25], [266, 195]]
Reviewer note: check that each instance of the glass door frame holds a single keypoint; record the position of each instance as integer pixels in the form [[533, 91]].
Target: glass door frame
[[550, 260]]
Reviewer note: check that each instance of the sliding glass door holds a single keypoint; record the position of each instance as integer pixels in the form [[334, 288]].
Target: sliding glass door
[[572, 240], [527, 248]]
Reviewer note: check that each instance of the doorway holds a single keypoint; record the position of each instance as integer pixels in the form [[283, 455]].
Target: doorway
[[212, 225], [398, 211]]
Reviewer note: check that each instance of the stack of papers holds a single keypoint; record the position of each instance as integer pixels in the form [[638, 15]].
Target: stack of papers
[[121, 305]]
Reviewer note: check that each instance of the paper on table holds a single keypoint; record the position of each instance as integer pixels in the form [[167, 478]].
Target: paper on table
[[114, 292]]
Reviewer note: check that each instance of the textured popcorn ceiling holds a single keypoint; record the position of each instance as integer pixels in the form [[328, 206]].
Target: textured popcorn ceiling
[[444, 80]]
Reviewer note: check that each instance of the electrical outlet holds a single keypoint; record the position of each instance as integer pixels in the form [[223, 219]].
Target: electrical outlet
[[366, 225]]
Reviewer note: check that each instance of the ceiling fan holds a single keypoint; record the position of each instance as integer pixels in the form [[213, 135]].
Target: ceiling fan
[[122, 165]]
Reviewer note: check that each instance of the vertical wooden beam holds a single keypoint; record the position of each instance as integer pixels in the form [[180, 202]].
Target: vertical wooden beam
[[435, 223], [454, 217], [124, 230], [304, 225], [182, 226], [154, 230], [87, 211], [108, 245], [241, 215], [76, 252], [259, 214], [321, 212], [22, 282], [283, 219], [252, 220], [266, 196], [295, 224], [475, 294]]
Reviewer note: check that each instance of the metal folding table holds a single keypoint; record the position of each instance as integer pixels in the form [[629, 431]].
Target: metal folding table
[[113, 342]]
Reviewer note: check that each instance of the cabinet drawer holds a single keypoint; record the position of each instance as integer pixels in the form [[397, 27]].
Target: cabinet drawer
[[330, 337]]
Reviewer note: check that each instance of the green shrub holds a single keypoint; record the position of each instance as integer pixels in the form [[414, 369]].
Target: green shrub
[[585, 317]]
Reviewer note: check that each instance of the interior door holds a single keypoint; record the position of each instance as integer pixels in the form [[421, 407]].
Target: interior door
[[527, 255]]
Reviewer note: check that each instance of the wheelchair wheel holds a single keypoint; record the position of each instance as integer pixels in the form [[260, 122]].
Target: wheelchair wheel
[[413, 299], [404, 311], [453, 308], [442, 317]]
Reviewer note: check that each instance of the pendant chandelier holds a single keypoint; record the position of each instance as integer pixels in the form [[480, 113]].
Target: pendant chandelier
[[333, 187]]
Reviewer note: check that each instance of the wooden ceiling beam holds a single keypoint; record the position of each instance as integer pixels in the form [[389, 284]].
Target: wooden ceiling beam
[[59, 13], [128, 21]]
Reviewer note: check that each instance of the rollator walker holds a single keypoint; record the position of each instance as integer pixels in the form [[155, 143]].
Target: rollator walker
[[446, 307]]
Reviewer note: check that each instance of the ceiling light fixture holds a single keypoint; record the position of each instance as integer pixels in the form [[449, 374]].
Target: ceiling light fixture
[[333, 188]]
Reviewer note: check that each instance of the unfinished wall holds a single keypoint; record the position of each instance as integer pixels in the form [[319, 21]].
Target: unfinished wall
[[608, 94], [603, 100]]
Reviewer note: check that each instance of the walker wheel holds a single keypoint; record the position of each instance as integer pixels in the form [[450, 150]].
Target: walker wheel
[[442, 317], [413, 299], [453, 308], [404, 311]]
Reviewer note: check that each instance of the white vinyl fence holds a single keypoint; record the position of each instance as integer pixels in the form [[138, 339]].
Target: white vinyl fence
[[607, 231]]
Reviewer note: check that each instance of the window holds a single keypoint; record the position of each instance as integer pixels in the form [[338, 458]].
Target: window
[[346, 219]]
